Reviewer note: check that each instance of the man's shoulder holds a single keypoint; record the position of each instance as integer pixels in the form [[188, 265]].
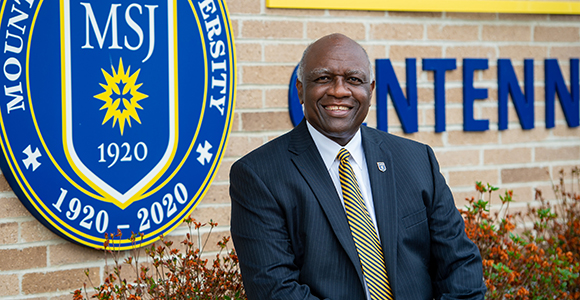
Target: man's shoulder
[[391, 140]]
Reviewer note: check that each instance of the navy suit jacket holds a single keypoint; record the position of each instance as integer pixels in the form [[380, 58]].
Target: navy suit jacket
[[291, 233]]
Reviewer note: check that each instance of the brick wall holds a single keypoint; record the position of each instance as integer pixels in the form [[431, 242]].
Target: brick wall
[[36, 264]]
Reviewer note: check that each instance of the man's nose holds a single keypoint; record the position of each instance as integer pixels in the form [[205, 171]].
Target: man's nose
[[339, 88]]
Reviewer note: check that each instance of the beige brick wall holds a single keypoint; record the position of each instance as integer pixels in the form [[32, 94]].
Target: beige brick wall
[[36, 264]]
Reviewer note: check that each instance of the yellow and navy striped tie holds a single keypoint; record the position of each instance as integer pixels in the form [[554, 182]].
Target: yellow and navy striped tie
[[363, 232]]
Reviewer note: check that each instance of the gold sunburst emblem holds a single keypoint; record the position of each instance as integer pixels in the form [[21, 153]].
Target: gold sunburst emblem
[[121, 96]]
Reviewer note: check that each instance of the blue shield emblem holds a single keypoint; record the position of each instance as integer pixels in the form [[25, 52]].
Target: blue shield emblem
[[120, 95], [381, 165]]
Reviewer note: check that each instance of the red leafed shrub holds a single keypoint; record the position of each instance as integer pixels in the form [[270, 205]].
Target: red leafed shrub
[[533, 254], [169, 272]]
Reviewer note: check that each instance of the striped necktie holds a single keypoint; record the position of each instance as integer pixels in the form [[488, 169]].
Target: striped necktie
[[363, 232]]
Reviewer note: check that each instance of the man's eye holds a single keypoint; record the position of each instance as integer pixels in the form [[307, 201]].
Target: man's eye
[[355, 80], [322, 79]]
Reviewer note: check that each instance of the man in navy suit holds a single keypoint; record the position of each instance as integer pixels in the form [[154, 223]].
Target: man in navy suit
[[289, 225]]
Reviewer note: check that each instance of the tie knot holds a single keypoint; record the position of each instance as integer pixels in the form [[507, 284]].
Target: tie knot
[[343, 154]]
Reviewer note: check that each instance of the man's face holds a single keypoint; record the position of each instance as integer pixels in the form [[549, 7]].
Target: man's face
[[336, 89]]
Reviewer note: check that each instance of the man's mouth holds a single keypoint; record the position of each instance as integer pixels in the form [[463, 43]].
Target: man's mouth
[[337, 108]]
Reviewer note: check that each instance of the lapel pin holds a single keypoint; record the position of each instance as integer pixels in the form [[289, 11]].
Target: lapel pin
[[381, 166]]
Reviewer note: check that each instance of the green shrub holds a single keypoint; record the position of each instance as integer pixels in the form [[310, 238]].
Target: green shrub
[[533, 254]]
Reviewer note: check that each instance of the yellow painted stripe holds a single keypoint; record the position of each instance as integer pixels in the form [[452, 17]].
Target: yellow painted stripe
[[484, 6]]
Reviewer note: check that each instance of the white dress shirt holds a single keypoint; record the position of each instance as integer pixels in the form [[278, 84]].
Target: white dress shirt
[[328, 149]]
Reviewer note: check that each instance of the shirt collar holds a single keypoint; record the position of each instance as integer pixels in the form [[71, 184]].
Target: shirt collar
[[328, 148]]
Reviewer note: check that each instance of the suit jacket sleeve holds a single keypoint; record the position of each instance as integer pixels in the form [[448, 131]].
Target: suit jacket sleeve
[[457, 269], [261, 239]]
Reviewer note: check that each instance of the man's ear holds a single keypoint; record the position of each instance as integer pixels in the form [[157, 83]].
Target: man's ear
[[372, 86], [299, 88]]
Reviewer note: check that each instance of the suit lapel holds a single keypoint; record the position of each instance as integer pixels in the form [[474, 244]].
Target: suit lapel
[[309, 163], [384, 197]]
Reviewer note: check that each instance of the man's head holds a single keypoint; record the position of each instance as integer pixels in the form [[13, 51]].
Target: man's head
[[335, 85]]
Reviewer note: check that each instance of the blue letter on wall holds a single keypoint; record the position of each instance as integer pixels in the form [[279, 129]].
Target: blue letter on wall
[[294, 106], [470, 94], [508, 84], [555, 83], [387, 83], [439, 66]]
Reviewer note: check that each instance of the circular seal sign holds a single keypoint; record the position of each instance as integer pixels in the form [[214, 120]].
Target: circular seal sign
[[114, 114]]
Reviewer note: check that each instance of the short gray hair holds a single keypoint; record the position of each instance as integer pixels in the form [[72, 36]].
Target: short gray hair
[[300, 70]]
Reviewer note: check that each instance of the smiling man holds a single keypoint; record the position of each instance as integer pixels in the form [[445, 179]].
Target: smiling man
[[336, 210]]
